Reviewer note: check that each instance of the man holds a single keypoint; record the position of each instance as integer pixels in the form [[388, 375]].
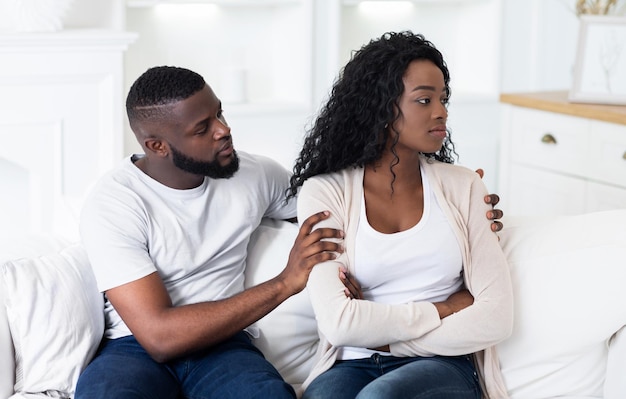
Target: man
[[166, 234]]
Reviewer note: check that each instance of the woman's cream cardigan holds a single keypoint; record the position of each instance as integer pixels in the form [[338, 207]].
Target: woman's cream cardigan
[[414, 329]]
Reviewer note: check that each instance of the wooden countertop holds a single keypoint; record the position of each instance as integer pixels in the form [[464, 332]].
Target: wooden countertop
[[556, 101]]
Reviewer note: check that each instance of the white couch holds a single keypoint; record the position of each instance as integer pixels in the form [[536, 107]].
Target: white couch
[[569, 339]]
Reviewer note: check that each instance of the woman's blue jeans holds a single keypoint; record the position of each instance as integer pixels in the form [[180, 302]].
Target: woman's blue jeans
[[380, 377], [233, 369]]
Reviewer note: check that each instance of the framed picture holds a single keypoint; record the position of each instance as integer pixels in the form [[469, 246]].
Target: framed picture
[[600, 68]]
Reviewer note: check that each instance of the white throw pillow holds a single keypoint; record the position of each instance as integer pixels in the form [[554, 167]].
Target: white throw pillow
[[56, 319], [30, 245], [568, 278], [288, 335], [14, 246]]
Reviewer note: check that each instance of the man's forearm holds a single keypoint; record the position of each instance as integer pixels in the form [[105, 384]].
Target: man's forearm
[[176, 331]]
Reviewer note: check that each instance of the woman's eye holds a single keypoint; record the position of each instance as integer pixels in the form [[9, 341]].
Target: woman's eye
[[423, 101]]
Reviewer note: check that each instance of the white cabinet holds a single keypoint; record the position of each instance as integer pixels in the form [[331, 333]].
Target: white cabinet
[[553, 163], [60, 124], [61, 110], [533, 191], [602, 197]]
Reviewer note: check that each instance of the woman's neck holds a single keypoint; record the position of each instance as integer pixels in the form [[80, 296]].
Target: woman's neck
[[394, 197], [403, 171]]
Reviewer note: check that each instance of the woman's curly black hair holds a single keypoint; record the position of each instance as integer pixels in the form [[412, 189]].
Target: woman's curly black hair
[[350, 130]]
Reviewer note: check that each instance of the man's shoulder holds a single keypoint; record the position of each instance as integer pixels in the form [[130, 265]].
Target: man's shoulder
[[115, 183], [260, 167], [257, 161]]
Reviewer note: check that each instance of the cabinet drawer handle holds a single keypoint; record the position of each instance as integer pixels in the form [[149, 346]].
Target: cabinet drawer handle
[[624, 156], [549, 139]]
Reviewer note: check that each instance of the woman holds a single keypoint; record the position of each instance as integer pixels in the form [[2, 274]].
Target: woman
[[436, 294]]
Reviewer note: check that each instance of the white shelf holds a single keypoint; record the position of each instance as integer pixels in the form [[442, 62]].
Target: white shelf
[[433, 2], [264, 108], [68, 38], [467, 97], [226, 3]]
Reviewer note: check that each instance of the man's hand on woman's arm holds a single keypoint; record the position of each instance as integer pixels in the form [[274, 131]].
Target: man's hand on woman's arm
[[494, 214], [168, 332]]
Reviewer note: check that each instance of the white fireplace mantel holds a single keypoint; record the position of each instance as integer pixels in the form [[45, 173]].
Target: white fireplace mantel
[[61, 124], [66, 40]]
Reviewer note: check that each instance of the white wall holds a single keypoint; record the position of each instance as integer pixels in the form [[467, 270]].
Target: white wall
[[539, 39], [256, 58], [292, 51]]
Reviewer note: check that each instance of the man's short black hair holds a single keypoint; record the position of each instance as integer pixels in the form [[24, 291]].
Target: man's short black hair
[[159, 86]]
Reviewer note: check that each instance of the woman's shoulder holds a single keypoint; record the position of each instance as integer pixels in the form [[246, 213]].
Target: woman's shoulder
[[449, 170], [338, 187], [340, 178]]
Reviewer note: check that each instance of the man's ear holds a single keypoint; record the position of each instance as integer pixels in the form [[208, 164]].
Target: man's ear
[[157, 146]]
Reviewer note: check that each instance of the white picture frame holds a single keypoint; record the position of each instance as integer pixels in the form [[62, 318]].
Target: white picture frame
[[600, 66]]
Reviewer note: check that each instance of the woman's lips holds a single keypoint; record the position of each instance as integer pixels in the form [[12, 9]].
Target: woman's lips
[[439, 132]]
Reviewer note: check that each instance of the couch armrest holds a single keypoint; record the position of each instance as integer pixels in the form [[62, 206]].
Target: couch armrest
[[7, 357], [615, 384]]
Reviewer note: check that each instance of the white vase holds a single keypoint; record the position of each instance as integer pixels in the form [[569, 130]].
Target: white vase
[[33, 15]]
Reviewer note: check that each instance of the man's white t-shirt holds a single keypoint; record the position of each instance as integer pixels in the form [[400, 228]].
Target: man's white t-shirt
[[196, 239]]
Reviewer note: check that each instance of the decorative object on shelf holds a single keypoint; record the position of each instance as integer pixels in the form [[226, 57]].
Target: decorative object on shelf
[[600, 67], [226, 3], [599, 7], [33, 15]]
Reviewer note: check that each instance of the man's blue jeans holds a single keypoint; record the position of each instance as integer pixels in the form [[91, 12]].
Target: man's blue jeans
[[398, 377], [233, 369]]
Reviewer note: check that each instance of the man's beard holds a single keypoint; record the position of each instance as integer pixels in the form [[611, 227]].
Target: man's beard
[[210, 169]]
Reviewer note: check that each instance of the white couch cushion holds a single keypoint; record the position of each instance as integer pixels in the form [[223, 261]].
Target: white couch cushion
[[568, 277], [567, 272], [30, 245], [615, 384], [14, 246], [55, 317], [288, 335]]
